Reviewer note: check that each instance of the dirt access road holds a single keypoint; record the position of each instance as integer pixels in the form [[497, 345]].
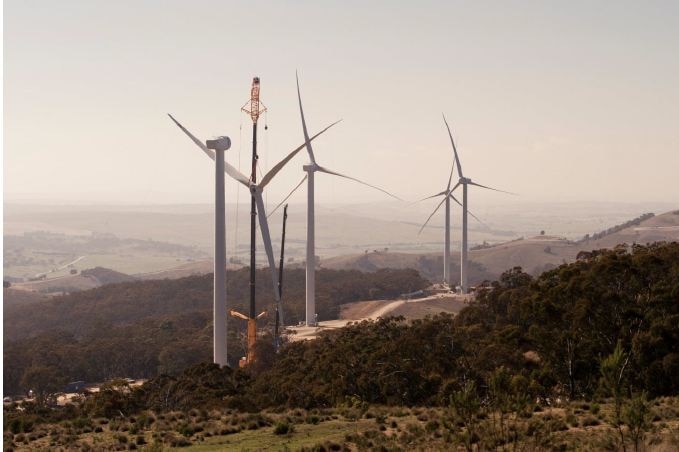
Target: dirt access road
[[371, 310]]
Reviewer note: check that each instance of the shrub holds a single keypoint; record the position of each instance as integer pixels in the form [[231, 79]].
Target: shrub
[[589, 421], [185, 429], [283, 428], [313, 419]]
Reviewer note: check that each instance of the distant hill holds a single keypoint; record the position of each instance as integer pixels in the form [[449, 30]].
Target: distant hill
[[87, 279], [428, 265], [140, 328], [107, 276], [199, 267], [130, 302], [13, 297], [533, 254]]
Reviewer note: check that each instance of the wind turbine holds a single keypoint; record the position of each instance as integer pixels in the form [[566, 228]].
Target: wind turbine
[[311, 169], [464, 181], [447, 196], [256, 192]]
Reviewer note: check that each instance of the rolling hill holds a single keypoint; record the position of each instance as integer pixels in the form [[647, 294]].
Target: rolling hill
[[533, 254]]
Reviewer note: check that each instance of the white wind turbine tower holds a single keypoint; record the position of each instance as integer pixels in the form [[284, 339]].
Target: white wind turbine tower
[[312, 168], [447, 195], [464, 181], [220, 145]]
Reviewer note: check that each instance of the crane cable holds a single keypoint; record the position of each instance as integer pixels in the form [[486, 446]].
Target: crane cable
[[265, 155], [240, 147]]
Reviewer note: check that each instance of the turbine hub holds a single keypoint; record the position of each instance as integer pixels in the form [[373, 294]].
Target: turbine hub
[[310, 167]]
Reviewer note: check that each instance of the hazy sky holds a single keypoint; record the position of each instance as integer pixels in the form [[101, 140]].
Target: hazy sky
[[553, 100]]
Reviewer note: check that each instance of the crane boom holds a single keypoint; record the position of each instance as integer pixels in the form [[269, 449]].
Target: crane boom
[[256, 107]]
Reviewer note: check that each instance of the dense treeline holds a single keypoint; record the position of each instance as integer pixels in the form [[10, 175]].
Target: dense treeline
[[551, 334], [141, 329]]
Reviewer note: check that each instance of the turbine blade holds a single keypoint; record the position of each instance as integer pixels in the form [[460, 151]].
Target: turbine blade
[[491, 188], [430, 197], [199, 143], [457, 159], [307, 142], [450, 178], [237, 175], [273, 171], [286, 198], [456, 185], [327, 171], [476, 218], [457, 201], [468, 211], [266, 238], [432, 214], [228, 169]]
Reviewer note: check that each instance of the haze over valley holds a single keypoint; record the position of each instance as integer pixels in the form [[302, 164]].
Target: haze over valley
[[175, 240]]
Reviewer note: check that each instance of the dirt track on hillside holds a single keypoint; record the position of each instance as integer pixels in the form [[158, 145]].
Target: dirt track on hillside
[[374, 309]]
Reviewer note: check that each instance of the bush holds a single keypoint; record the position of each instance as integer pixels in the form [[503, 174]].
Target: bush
[[283, 428], [590, 421], [313, 419], [185, 429]]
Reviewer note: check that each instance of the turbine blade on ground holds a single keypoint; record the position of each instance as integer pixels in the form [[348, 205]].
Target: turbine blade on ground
[[491, 188], [432, 214], [199, 143], [307, 142], [286, 198], [273, 171], [327, 171], [457, 159], [266, 238]]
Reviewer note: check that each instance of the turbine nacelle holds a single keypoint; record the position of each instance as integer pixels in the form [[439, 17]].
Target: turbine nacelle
[[311, 167], [222, 143], [465, 180]]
